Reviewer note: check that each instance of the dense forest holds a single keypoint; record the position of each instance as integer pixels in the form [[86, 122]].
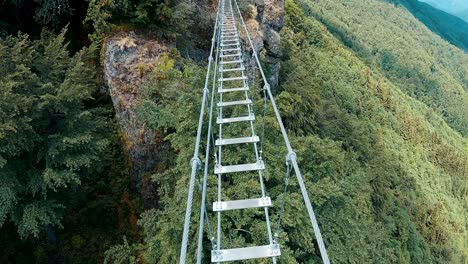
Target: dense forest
[[374, 94]]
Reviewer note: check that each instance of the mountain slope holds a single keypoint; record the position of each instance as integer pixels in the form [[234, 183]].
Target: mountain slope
[[407, 193], [447, 26], [407, 53], [385, 172], [449, 6]]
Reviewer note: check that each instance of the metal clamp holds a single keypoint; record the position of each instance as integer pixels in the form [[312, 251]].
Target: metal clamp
[[197, 160], [275, 249], [217, 206], [266, 86], [290, 157]]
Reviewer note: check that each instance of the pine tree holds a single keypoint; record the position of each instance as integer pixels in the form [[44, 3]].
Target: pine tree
[[49, 137]]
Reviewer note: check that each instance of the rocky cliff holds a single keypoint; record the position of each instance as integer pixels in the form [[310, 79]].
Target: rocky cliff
[[129, 58], [264, 25]]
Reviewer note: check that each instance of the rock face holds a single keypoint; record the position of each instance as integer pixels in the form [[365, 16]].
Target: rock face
[[265, 26], [129, 58]]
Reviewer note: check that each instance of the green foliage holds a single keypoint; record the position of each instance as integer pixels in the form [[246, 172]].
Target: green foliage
[[247, 9], [388, 133], [417, 61], [51, 11], [170, 18], [120, 254], [49, 139], [385, 172], [46, 12], [449, 27]]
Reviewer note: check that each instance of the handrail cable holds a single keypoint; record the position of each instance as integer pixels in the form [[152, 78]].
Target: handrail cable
[[291, 156], [207, 157], [195, 161]]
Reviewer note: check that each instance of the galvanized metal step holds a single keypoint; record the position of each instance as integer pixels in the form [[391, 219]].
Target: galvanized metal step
[[232, 69], [240, 78], [230, 141], [228, 120], [227, 45], [231, 62], [230, 55], [229, 50], [219, 169], [234, 254], [233, 38], [239, 89], [229, 41], [241, 204], [228, 33], [241, 102]]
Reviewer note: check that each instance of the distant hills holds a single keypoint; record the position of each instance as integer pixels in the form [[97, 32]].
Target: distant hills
[[463, 14], [454, 7], [450, 27]]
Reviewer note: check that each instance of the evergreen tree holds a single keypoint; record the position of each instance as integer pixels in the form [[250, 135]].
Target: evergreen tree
[[49, 136]]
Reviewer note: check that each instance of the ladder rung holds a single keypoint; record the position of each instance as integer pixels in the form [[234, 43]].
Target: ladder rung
[[231, 62], [235, 254], [233, 89], [242, 102], [229, 50], [219, 169], [233, 38], [227, 45], [241, 204], [228, 41], [230, 141], [241, 78], [230, 55], [250, 117], [230, 70]]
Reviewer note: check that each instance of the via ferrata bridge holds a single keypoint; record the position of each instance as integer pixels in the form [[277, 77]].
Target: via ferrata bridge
[[228, 69]]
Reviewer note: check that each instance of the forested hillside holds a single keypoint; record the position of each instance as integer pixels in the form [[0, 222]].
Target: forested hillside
[[374, 94], [375, 125], [447, 26]]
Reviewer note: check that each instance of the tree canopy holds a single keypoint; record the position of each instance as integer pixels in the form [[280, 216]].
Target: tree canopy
[[49, 138]]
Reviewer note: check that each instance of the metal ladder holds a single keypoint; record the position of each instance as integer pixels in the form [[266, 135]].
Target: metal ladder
[[233, 84]]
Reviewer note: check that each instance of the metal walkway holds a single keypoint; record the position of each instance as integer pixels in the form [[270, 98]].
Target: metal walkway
[[235, 115], [233, 93]]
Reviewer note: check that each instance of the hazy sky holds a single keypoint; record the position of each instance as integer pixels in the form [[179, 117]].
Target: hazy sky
[[450, 6]]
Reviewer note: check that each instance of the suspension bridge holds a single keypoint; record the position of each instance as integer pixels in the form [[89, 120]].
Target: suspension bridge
[[228, 70]]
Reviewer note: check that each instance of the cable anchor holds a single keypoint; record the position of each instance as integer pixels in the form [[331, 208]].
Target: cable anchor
[[290, 157]]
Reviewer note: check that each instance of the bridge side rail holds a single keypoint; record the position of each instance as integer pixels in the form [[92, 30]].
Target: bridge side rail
[[291, 156]]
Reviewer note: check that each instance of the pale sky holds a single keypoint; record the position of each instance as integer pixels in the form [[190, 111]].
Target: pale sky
[[455, 7], [450, 6]]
